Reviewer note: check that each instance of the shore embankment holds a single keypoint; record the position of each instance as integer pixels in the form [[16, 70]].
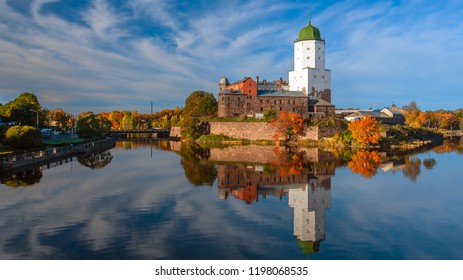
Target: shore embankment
[[53, 154]]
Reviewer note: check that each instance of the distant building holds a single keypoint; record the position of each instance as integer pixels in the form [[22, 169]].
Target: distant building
[[308, 91], [387, 115]]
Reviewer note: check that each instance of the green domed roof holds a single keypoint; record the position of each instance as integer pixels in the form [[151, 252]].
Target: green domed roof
[[309, 32]]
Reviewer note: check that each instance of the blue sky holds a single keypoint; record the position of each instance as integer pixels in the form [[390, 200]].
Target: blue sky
[[103, 55]]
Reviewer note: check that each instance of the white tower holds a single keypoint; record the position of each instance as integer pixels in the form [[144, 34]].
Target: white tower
[[310, 75]]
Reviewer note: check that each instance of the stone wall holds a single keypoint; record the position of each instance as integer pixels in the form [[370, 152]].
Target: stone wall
[[234, 105], [264, 131], [175, 132]]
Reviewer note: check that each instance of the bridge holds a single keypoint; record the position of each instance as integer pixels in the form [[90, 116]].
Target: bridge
[[137, 134]]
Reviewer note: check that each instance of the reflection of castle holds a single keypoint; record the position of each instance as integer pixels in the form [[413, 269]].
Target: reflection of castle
[[308, 194], [309, 205]]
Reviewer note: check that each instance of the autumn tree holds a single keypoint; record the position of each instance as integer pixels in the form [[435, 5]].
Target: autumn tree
[[365, 163], [288, 126], [59, 118], [365, 131], [200, 104]]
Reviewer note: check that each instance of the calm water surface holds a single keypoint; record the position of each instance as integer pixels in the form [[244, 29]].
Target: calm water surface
[[162, 200]]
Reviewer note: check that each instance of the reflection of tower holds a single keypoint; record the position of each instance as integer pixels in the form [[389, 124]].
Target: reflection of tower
[[309, 205]]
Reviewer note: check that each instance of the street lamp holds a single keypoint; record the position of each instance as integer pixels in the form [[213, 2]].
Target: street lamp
[[37, 116]]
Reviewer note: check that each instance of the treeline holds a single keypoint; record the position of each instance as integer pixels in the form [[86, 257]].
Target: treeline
[[440, 119], [26, 112], [198, 104]]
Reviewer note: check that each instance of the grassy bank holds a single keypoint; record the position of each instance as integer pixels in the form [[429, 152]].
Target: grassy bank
[[63, 142], [226, 140]]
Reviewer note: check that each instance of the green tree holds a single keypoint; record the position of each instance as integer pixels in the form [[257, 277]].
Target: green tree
[[191, 128], [93, 126], [20, 109], [200, 104], [270, 115], [23, 137]]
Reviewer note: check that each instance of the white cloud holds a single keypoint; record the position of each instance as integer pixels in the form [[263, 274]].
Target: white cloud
[[404, 53]]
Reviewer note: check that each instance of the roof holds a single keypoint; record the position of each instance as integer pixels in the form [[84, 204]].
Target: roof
[[224, 80], [375, 114], [242, 80], [309, 32], [394, 111], [319, 102], [280, 93]]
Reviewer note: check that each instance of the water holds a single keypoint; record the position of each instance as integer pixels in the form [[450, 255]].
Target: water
[[161, 200]]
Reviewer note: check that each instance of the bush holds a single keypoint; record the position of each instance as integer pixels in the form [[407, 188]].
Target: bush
[[270, 115], [3, 130], [23, 137]]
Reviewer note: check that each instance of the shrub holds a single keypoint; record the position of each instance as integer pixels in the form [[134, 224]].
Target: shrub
[[23, 137]]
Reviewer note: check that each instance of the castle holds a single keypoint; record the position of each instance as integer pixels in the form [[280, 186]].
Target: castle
[[308, 91]]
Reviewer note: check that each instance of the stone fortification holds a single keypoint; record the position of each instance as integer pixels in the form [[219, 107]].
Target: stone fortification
[[264, 131]]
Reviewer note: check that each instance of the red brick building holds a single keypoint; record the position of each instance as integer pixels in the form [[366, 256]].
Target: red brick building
[[247, 97]]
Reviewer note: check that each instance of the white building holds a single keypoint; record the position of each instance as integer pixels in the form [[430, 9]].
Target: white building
[[309, 75]]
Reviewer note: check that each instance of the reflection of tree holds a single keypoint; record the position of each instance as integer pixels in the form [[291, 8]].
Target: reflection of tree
[[365, 163], [24, 179], [429, 163], [95, 161], [412, 168], [198, 170], [451, 145], [289, 163]]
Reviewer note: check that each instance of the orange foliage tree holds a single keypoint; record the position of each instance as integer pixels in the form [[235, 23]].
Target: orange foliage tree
[[288, 125], [365, 131], [365, 163]]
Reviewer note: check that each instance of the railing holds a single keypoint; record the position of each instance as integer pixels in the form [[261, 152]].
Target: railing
[[8, 163]]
